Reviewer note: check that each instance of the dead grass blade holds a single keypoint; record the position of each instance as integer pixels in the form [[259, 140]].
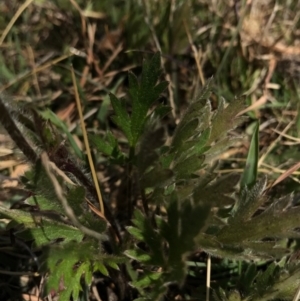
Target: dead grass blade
[[14, 19], [86, 143], [286, 174]]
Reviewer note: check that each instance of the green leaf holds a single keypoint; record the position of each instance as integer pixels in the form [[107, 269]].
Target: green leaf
[[65, 274], [184, 224], [143, 94], [121, 118], [139, 255], [225, 119], [262, 226], [135, 232], [184, 133], [75, 198], [39, 182], [248, 202], [49, 115], [197, 146], [250, 171], [101, 145], [42, 229], [157, 177], [148, 279], [267, 278], [50, 231], [95, 223], [219, 147], [247, 278], [99, 266], [44, 203], [198, 110], [188, 166], [217, 193], [66, 266], [148, 234]]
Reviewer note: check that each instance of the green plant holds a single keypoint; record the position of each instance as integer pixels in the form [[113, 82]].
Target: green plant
[[182, 205]]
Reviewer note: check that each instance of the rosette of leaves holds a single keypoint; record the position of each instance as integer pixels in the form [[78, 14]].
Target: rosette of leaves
[[186, 206], [197, 209]]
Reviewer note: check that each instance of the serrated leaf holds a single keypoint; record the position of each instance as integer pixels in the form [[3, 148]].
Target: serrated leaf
[[143, 94], [166, 160], [250, 171], [149, 144], [112, 264], [95, 223], [39, 182], [247, 278], [261, 226], [147, 279], [249, 201], [184, 224], [139, 255], [198, 110], [42, 229], [151, 237], [101, 145], [267, 278], [284, 288], [121, 118], [135, 232], [66, 273], [44, 203], [151, 71], [161, 111], [266, 249], [215, 193], [184, 133], [197, 146], [66, 265], [188, 166], [75, 198], [225, 118], [50, 231], [99, 266], [220, 147], [157, 177]]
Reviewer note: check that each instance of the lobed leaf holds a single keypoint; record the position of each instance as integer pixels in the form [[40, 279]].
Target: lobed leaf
[[40, 228], [121, 118], [187, 167], [225, 119]]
